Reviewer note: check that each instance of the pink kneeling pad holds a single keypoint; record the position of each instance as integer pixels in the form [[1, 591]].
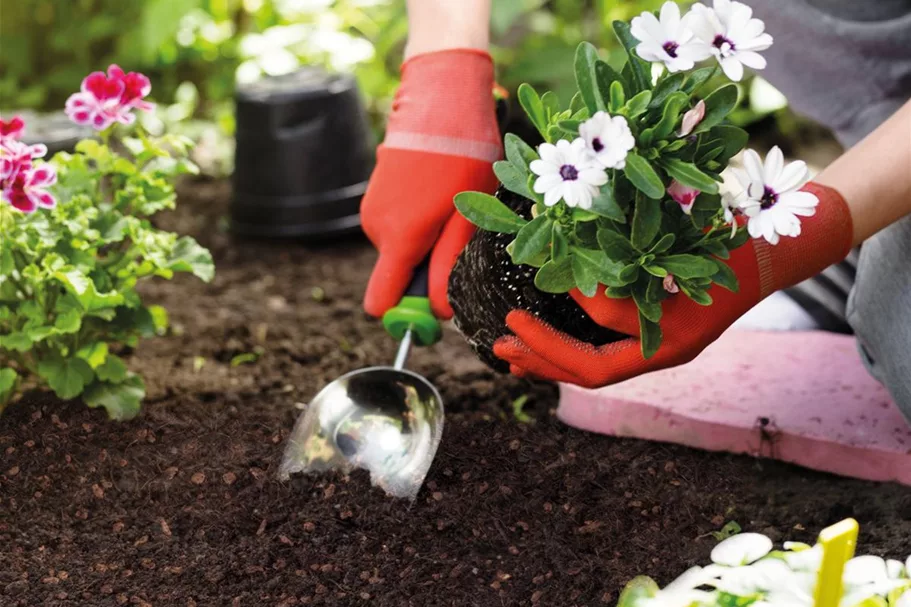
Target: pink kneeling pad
[[799, 397]]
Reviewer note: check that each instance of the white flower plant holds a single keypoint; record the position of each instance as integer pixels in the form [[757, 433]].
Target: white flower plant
[[626, 186], [747, 572]]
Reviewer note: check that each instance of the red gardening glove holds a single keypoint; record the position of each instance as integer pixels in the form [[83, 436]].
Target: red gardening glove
[[442, 139], [539, 350]]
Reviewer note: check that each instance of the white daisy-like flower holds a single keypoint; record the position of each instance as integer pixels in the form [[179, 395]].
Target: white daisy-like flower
[[668, 40], [608, 138], [731, 209], [869, 576], [568, 172], [731, 34], [772, 199]]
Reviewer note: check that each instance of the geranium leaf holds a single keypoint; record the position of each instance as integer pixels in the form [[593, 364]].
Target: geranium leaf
[[122, 401]]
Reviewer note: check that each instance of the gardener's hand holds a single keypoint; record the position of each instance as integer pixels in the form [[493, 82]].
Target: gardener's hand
[[539, 350], [442, 139]]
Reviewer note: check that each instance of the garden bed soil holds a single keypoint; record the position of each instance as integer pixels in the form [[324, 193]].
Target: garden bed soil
[[182, 505]]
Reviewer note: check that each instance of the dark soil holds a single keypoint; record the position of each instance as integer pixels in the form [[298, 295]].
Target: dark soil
[[182, 506], [485, 286]]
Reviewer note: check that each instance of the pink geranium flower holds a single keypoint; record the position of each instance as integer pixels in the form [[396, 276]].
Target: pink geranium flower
[[12, 129], [28, 190], [108, 98]]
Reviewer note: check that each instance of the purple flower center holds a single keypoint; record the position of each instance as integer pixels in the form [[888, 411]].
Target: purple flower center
[[723, 44], [597, 145], [769, 198], [670, 48], [569, 173]]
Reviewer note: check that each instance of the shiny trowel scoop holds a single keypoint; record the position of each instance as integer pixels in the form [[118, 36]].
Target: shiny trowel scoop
[[386, 420]]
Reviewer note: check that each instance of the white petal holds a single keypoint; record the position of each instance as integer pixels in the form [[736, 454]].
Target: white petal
[[753, 165], [895, 568], [670, 17], [541, 167], [741, 549], [553, 196], [905, 600], [782, 220], [702, 24], [733, 69], [759, 43], [548, 153], [752, 60], [774, 162], [798, 200], [768, 228], [547, 182], [595, 177], [646, 28], [793, 176], [752, 30], [585, 198]]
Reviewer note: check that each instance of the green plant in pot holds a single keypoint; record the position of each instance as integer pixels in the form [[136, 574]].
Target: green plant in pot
[[624, 192]]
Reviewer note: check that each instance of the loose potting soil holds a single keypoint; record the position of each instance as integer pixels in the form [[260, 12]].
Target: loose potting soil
[[182, 505]]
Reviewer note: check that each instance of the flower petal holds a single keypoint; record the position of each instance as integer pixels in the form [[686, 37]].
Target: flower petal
[[753, 165], [545, 183], [774, 162], [733, 69], [741, 549], [752, 60], [793, 176]]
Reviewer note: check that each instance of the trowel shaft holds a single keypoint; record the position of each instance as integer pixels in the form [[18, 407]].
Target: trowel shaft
[[404, 350]]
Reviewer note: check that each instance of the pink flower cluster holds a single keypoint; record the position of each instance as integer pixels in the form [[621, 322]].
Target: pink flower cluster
[[108, 98], [23, 185]]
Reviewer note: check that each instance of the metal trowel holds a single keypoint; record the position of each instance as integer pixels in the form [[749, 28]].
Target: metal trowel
[[386, 420]]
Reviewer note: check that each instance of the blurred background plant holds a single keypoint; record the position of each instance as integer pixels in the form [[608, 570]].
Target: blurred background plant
[[196, 50]]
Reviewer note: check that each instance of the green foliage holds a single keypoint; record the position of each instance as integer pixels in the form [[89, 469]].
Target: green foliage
[[634, 236], [69, 275]]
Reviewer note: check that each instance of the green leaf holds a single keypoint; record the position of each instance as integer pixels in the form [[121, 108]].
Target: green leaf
[[697, 78], [9, 379], [649, 335], [640, 69], [67, 377], [534, 108], [741, 237], [551, 104], [84, 289], [606, 76], [735, 140], [95, 354], [698, 295], [519, 153], [17, 342], [159, 319], [673, 108], [605, 205], [688, 266], [643, 176], [583, 276], [615, 246], [638, 104], [512, 178], [650, 310], [665, 88], [725, 277], [577, 104], [189, 256], [532, 239], [629, 274], [488, 213], [560, 248], [556, 276], [113, 370], [122, 401], [689, 175], [617, 96], [68, 322], [646, 222], [717, 106], [570, 127], [602, 269], [663, 244], [586, 78]]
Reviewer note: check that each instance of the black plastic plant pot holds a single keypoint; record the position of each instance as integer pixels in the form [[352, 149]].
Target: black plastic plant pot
[[485, 286], [304, 154]]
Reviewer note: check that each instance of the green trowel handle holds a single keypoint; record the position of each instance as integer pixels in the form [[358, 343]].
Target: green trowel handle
[[414, 312]]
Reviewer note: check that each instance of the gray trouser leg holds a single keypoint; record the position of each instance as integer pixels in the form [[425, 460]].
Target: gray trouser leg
[[878, 309]]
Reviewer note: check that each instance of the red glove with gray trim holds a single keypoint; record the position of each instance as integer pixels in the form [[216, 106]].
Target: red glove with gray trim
[[442, 139]]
